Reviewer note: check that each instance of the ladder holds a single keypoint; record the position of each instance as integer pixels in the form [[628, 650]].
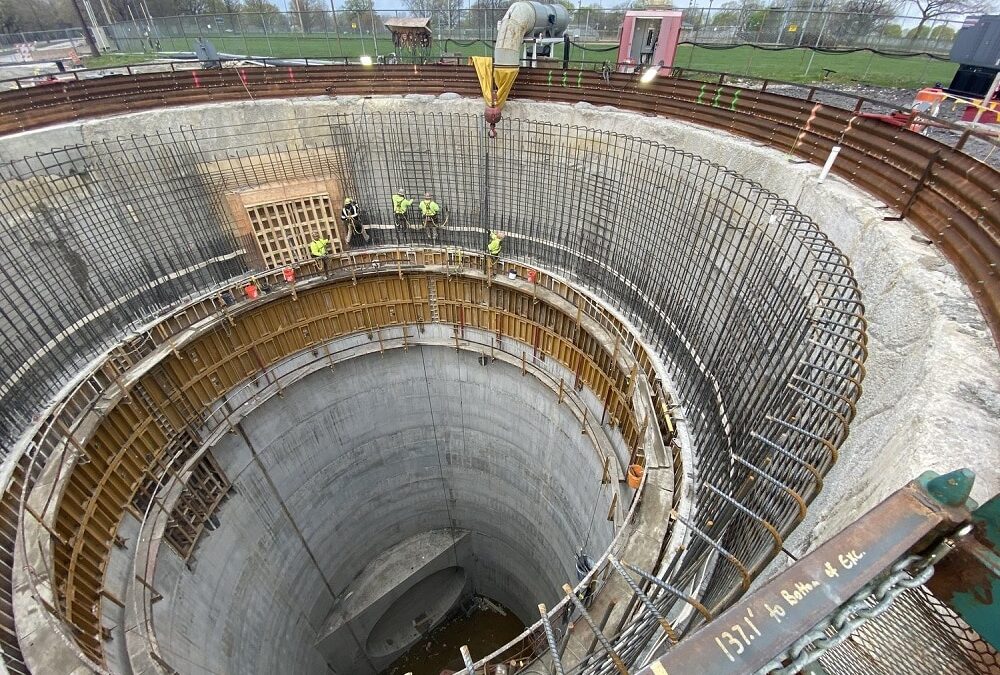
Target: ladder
[[432, 297]]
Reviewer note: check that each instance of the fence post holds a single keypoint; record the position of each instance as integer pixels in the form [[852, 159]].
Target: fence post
[[302, 34], [88, 32], [243, 32], [816, 46], [326, 32], [184, 39], [336, 28], [263, 24], [871, 60], [371, 14]]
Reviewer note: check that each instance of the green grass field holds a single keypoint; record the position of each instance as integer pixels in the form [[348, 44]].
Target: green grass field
[[791, 65], [888, 71]]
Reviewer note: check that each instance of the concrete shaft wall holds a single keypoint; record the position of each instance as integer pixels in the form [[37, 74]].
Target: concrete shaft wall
[[933, 389], [704, 262], [101, 236], [360, 459]]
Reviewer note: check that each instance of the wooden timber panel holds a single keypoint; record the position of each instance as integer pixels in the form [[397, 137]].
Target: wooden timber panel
[[277, 222]]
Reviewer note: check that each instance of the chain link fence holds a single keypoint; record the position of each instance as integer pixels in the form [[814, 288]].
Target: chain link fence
[[343, 32], [798, 45], [31, 45]]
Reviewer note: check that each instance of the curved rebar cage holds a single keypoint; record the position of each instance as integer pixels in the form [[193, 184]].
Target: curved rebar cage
[[753, 311]]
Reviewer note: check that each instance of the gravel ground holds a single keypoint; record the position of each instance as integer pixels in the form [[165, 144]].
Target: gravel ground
[[982, 150]]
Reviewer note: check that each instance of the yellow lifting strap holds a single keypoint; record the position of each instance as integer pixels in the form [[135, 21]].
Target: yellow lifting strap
[[495, 82]]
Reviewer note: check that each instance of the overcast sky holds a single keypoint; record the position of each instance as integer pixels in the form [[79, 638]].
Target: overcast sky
[[907, 8]]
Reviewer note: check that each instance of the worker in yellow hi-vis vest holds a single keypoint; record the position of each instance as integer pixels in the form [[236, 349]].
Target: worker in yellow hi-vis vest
[[318, 248], [430, 210], [494, 246], [400, 205]]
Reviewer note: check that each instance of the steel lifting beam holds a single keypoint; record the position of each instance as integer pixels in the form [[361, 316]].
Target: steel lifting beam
[[968, 580], [767, 621]]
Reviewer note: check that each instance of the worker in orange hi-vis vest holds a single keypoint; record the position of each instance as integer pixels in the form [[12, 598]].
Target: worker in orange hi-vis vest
[[928, 102]]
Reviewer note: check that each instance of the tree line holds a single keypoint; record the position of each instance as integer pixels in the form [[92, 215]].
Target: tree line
[[775, 21], [829, 23]]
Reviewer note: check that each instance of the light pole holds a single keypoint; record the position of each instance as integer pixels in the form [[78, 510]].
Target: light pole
[[336, 28], [802, 28], [87, 30]]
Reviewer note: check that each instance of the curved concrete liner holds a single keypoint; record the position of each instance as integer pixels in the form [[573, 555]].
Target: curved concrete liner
[[932, 363], [526, 514], [58, 659]]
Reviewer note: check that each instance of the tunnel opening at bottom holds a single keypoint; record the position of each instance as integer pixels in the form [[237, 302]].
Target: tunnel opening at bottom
[[480, 623], [417, 611], [399, 465]]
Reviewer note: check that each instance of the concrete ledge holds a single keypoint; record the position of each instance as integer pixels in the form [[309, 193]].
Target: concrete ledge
[[933, 389], [382, 614]]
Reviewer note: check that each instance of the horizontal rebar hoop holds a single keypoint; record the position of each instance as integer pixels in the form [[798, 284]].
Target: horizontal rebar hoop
[[754, 312]]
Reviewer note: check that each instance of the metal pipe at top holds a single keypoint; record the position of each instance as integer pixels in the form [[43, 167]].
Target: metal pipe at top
[[521, 19]]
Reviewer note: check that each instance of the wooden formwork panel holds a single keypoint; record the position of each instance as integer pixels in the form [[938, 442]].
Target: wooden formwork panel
[[132, 445], [279, 219]]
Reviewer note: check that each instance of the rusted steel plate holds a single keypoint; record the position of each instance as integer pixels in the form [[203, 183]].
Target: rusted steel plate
[[766, 622]]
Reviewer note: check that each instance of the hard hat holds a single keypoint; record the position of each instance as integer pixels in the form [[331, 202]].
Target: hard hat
[[427, 195], [348, 200], [401, 193]]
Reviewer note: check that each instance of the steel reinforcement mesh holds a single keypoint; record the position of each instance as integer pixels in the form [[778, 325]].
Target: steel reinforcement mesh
[[918, 635], [95, 239], [754, 312]]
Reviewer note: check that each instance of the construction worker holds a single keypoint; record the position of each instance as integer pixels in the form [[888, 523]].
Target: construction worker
[[430, 210], [493, 248], [400, 204], [318, 247], [351, 215]]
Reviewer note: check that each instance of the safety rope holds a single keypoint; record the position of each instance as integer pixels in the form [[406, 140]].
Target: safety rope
[[821, 50], [775, 48]]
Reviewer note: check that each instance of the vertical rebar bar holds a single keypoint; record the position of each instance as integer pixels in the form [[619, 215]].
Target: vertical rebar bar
[[551, 639], [612, 654]]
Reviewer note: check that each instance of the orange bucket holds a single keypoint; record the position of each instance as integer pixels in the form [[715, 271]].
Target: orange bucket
[[289, 274], [251, 291], [634, 477]]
